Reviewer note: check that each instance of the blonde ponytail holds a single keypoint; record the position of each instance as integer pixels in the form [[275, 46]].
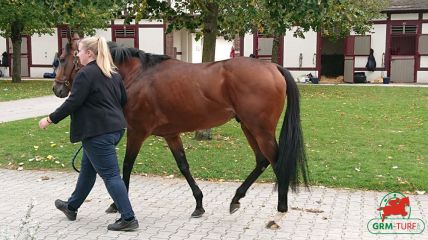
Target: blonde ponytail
[[98, 46]]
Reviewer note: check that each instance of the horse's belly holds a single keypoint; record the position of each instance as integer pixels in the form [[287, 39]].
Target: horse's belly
[[193, 122]]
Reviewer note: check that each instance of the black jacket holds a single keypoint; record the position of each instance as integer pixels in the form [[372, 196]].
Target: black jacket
[[95, 104]]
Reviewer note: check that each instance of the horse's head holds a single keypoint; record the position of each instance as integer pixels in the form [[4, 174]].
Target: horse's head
[[405, 201], [69, 66]]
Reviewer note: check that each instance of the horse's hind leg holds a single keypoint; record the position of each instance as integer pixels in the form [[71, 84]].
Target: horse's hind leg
[[261, 164], [133, 145], [176, 147]]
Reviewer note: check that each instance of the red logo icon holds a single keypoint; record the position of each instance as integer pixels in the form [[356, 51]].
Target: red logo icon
[[395, 206]]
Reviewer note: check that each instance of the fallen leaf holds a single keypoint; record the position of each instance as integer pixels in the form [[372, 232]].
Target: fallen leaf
[[394, 167], [20, 169], [36, 147], [420, 192], [49, 157], [357, 169]]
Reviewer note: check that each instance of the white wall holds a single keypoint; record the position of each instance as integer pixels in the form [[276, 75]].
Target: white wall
[[422, 77], [222, 50], [104, 33], [2, 45], [424, 28], [151, 40], [3, 49], [293, 46], [43, 48], [424, 61], [248, 44], [145, 21], [378, 43], [196, 49], [405, 16]]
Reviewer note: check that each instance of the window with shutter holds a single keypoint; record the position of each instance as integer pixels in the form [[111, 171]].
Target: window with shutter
[[362, 45]]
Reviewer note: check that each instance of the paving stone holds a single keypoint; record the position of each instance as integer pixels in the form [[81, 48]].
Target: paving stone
[[162, 216]]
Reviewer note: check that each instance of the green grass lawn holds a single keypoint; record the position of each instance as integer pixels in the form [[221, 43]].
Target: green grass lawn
[[356, 137], [25, 89]]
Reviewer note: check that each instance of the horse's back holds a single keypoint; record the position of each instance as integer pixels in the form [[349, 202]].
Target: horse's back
[[185, 97]]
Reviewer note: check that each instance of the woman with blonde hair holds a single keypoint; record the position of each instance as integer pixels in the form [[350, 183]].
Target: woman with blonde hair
[[96, 107]]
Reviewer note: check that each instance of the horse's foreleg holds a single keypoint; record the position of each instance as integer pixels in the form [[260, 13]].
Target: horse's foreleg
[[261, 165], [176, 147], [133, 145]]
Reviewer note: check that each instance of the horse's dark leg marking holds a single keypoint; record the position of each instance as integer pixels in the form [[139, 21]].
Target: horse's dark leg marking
[[176, 147], [261, 165]]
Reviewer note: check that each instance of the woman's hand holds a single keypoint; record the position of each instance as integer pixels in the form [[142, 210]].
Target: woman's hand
[[44, 122]]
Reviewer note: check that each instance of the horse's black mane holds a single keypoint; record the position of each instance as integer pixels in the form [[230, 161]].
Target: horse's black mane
[[121, 54]]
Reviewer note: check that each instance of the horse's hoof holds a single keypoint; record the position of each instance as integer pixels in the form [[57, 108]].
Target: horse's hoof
[[111, 209], [234, 207], [272, 225], [198, 212]]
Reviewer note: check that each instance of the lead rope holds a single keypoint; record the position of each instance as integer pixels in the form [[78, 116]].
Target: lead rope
[[74, 158]]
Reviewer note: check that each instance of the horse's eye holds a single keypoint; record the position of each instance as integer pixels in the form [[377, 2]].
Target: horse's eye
[[62, 61]]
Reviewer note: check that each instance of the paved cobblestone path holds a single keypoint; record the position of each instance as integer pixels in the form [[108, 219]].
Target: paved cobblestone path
[[163, 207]]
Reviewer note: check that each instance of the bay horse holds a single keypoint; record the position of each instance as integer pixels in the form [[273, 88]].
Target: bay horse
[[167, 97]]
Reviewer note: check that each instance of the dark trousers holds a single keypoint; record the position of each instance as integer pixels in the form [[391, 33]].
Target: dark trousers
[[99, 156]]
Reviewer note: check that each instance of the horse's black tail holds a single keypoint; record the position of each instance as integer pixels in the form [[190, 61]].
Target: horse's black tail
[[291, 156]]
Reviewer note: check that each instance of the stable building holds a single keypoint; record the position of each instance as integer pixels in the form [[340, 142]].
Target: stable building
[[399, 41]]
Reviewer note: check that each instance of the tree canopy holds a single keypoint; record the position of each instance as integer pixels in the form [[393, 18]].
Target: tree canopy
[[85, 16], [27, 17]]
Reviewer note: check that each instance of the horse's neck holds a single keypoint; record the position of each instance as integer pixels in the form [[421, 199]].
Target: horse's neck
[[128, 71]]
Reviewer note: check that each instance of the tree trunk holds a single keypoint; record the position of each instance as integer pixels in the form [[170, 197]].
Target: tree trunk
[[16, 38], [210, 33], [208, 51], [275, 49]]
